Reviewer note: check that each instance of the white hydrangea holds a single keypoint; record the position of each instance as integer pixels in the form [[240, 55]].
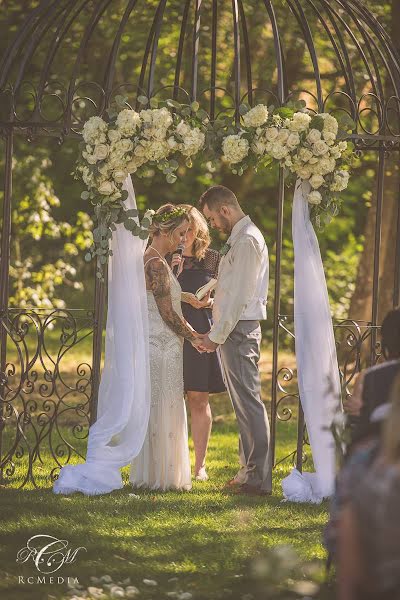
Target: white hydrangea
[[340, 181], [155, 150], [299, 122], [330, 124], [193, 142], [235, 148], [316, 181], [94, 131], [256, 116], [128, 121], [279, 151], [87, 176], [314, 197], [156, 122]]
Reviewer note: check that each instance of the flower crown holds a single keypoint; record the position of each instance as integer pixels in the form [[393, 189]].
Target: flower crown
[[178, 211]]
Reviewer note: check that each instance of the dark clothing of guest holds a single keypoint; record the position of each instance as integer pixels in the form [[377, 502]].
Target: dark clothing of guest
[[375, 501], [377, 384], [201, 372]]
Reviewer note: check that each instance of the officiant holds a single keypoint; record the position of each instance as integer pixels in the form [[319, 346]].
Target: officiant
[[201, 372]]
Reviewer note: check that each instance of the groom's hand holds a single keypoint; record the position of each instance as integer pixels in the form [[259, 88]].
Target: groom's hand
[[208, 345]]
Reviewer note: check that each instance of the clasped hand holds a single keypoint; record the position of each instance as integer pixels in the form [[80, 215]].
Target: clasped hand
[[202, 343]]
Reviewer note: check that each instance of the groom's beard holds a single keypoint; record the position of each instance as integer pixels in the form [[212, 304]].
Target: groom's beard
[[225, 225]]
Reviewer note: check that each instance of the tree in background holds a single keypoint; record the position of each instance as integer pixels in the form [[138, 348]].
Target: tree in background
[[46, 251]]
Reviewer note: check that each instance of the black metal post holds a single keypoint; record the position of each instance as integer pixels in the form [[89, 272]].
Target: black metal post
[[377, 251], [4, 275], [277, 307], [100, 288], [396, 284]]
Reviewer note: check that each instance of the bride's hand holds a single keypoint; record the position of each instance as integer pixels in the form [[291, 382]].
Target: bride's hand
[[197, 342], [191, 299]]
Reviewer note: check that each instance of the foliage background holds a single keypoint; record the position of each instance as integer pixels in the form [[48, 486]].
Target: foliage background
[[50, 221]]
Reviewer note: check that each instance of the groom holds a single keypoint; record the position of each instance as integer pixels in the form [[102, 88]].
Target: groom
[[239, 305]]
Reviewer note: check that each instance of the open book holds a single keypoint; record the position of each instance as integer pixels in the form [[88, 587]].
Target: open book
[[203, 290]]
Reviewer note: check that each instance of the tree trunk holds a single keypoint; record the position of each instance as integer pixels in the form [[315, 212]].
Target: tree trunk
[[361, 304]]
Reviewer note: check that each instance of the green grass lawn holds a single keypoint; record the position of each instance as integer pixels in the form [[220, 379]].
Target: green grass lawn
[[207, 538]]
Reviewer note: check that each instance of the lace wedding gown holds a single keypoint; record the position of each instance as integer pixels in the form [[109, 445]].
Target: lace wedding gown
[[163, 462]]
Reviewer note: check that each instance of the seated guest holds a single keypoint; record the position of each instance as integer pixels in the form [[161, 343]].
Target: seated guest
[[369, 523], [372, 385]]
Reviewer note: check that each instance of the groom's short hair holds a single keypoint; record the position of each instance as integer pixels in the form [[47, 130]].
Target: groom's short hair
[[217, 196]]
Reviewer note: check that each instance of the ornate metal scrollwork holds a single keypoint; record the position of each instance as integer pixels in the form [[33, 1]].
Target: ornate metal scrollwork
[[44, 394]]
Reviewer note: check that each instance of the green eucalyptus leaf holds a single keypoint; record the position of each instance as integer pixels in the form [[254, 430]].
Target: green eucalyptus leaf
[[202, 114], [317, 122], [143, 100], [195, 106], [171, 178], [145, 223], [173, 104], [85, 195], [143, 234], [88, 257], [153, 103]]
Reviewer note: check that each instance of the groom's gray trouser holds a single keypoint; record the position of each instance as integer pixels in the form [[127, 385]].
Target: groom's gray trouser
[[239, 356]]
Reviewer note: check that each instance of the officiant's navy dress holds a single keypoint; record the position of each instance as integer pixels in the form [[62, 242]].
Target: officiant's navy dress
[[201, 372]]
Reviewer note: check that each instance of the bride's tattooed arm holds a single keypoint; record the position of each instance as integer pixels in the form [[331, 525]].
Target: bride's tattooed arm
[[158, 281]]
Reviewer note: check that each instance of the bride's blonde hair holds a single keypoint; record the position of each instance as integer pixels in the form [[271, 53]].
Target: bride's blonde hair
[[202, 235], [166, 219]]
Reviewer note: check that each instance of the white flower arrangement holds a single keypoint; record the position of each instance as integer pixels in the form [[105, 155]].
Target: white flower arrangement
[[307, 146]]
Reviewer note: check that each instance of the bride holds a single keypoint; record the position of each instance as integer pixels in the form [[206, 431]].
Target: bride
[[141, 416], [163, 462]]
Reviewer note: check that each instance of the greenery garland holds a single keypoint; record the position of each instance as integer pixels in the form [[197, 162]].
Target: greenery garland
[[308, 146]]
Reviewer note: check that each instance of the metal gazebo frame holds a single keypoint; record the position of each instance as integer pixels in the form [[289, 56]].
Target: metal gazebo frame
[[351, 31]]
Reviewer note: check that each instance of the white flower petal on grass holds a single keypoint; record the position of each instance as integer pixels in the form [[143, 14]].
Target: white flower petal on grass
[[131, 591], [150, 582]]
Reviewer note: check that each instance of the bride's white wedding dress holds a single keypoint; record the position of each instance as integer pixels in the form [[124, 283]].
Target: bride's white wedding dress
[[163, 462]]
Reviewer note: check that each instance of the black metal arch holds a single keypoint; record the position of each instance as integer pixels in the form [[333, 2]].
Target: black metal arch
[[52, 80]]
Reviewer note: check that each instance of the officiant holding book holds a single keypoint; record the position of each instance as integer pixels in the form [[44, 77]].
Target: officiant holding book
[[201, 372]]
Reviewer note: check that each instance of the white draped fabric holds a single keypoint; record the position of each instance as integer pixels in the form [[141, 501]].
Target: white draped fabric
[[317, 367], [124, 394]]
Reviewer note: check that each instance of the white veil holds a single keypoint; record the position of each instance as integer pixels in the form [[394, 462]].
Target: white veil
[[124, 393], [317, 366]]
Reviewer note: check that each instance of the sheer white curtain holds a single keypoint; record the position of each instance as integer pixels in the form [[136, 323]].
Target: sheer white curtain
[[124, 394], [317, 367]]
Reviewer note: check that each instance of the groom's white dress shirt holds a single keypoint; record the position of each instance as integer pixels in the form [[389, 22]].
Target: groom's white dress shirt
[[242, 286]]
